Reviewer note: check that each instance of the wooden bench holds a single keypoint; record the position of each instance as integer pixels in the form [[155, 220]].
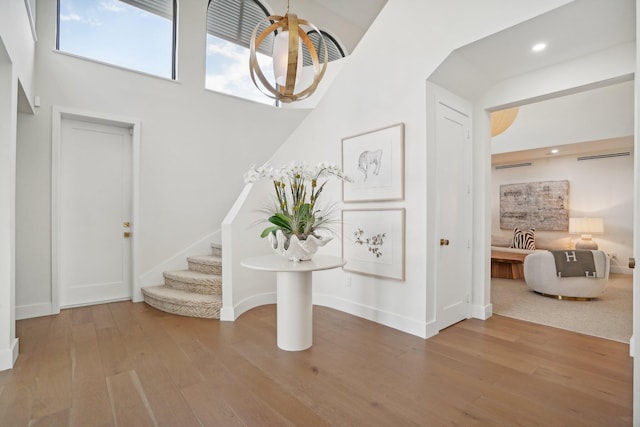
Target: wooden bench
[[507, 265]]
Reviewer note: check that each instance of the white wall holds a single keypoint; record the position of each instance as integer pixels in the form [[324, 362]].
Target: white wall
[[16, 71], [601, 188], [16, 35], [597, 114], [384, 83]]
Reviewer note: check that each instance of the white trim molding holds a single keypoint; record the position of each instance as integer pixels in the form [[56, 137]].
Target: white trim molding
[[392, 320], [482, 312], [231, 314], [8, 357], [33, 310]]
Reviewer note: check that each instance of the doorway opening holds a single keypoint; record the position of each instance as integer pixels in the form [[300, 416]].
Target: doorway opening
[[586, 140]]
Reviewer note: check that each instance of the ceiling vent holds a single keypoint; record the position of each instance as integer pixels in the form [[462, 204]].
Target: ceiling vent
[[514, 165], [603, 156]]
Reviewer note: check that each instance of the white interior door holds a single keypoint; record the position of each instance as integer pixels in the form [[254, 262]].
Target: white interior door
[[453, 210], [95, 211]]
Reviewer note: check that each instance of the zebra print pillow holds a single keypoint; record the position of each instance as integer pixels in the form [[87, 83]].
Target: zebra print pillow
[[524, 239]]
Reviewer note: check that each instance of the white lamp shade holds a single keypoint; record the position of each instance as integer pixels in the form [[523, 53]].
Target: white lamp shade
[[586, 225], [281, 58]]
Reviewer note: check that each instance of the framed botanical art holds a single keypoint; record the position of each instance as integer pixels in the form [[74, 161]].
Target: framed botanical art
[[375, 162], [373, 242]]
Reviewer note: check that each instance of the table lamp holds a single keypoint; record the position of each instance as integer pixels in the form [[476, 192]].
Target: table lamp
[[586, 227]]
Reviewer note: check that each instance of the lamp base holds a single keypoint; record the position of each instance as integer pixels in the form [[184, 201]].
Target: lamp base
[[586, 244]]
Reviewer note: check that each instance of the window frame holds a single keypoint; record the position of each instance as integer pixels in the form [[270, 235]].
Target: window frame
[[327, 35], [174, 40]]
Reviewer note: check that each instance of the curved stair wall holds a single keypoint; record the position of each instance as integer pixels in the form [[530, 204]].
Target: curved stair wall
[[244, 289]]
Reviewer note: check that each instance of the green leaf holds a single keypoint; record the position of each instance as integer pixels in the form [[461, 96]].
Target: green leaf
[[268, 230], [305, 210], [281, 220]]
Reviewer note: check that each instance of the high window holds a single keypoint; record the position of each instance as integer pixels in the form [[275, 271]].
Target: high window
[[229, 27], [334, 50], [134, 34]]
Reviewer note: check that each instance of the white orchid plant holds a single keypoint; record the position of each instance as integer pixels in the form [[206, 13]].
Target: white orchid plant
[[298, 188]]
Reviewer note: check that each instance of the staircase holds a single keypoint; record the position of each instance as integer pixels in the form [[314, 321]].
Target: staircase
[[196, 292]]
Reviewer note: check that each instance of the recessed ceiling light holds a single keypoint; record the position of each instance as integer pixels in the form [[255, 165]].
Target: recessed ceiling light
[[555, 151], [538, 47]]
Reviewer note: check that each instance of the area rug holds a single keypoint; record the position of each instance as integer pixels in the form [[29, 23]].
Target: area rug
[[609, 316]]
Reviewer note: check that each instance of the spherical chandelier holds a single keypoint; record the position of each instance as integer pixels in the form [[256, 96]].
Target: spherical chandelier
[[287, 57], [501, 120]]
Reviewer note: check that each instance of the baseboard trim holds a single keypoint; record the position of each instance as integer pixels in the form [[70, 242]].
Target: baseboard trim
[[392, 320], [482, 312], [9, 356], [616, 269], [33, 310], [231, 314]]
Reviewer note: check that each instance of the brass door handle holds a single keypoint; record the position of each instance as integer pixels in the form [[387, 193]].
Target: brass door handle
[[444, 242], [632, 263], [127, 234]]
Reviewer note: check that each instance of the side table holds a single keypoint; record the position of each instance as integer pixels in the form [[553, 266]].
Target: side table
[[294, 302]]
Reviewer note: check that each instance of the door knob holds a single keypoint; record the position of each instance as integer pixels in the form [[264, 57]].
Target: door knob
[[444, 242], [126, 224], [632, 263]]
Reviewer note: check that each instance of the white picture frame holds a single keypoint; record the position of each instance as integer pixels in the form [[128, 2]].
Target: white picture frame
[[375, 162], [373, 242]]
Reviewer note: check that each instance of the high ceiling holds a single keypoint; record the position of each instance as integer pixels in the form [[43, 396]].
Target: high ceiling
[[360, 12]]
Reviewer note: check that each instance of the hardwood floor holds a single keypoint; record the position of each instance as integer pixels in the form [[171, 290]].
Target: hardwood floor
[[128, 364]]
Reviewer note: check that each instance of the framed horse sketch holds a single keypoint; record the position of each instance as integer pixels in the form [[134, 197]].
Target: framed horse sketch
[[375, 162]]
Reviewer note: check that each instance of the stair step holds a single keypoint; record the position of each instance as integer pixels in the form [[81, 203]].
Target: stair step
[[216, 249], [176, 301], [208, 264], [194, 281]]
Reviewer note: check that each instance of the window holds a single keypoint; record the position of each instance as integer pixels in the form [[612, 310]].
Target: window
[[135, 34], [333, 48], [230, 24], [229, 27]]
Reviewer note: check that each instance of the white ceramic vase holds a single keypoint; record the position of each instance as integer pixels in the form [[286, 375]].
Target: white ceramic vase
[[294, 249]]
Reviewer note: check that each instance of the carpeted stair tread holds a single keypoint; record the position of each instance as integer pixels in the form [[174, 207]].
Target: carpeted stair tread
[[184, 303], [208, 264], [194, 281], [216, 249]]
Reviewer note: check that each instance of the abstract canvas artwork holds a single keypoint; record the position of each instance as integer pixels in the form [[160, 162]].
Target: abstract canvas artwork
[[540, 205]]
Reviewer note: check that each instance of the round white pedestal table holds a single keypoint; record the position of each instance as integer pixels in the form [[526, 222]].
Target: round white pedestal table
[[294, 302]]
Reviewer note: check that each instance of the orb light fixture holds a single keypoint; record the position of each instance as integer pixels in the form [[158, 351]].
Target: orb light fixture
[[502, 119], [287, 57]]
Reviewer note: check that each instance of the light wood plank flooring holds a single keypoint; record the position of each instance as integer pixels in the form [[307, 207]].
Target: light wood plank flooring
[[125, 364]]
